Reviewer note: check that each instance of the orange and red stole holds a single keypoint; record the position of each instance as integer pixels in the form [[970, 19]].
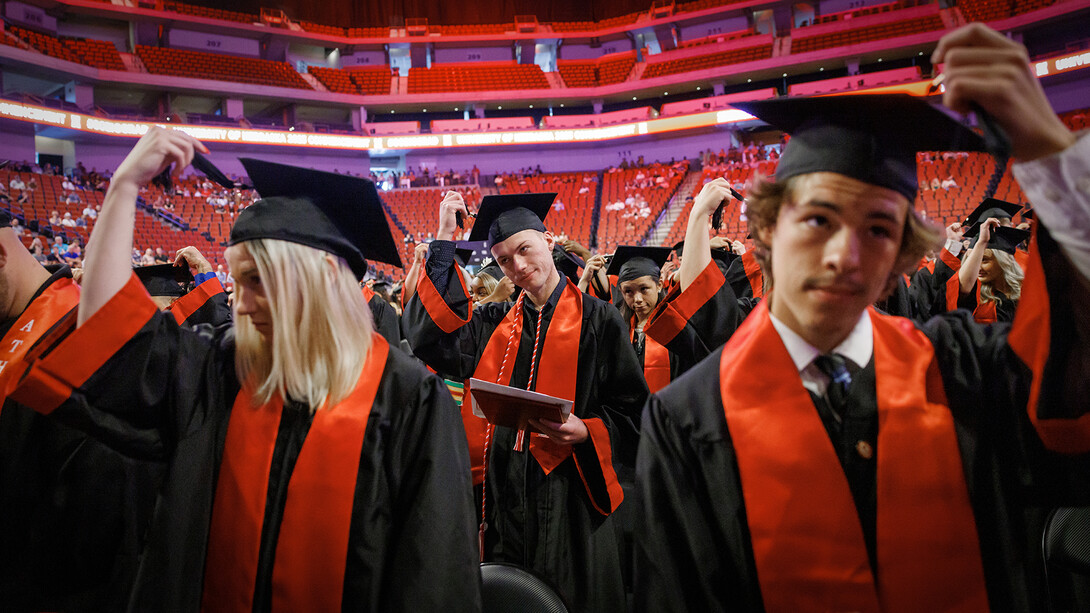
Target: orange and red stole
[[56, 301], [807, 541], [312, 549], [656, 360], [556, 369]]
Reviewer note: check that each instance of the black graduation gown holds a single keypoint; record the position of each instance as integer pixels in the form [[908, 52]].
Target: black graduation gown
[[693, 543], [693, 323], [547, 523], [165, 392], [72, 511], [386, 320], [206, 304]]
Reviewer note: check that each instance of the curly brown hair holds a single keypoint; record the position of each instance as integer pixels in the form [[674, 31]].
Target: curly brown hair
[[766, 197]]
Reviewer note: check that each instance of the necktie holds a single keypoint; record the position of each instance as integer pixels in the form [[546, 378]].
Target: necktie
[[836, 368]]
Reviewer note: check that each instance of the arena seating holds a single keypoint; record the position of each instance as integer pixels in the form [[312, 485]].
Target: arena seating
[[368, 81], [585, 26], [97, 53], [201, 65], [472, 29], [627, 226], [48, 45], [476, 76], [866, 33], [574, 219], [606, 70], [210, 13], [710, 60]]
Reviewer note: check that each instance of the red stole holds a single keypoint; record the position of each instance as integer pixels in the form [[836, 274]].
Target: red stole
[[753, 273], [807, 542], [656, 360], [368, 293], [40, 315], [985, 312], [312, 549], [557, 363]]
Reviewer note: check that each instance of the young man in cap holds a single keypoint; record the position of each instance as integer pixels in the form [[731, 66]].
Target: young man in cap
[[312, 467], [872, 465], [72, 511], [548, 496]]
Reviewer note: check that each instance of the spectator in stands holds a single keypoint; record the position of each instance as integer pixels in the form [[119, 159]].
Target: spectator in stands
[[90, 212], [68, 222], [558, 205], [32, 183], [37, 249], [148, 259], [73, 198], [58, 248], [74, 256], [162, 257], [949, 182], [935, 184], [23, 197], [16, 227], [67, 185], [16, 183]]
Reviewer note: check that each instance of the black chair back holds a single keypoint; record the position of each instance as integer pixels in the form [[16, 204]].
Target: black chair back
[[507, 587]]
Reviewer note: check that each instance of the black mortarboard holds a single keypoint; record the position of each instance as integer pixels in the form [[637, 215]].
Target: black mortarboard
[[870, 137], [165, 279], [632, 262], [493, 270], [501, 216], [726, 256], [336, 213], [1028, 214], [991, 207], [567, 263], [1004, 238], [678, 248], [471, 253]]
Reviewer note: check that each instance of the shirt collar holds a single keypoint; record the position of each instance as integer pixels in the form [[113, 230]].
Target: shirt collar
[[858, 347]]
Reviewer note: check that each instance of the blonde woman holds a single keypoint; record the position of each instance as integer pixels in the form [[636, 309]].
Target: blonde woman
[[313, 467], [990, 278]]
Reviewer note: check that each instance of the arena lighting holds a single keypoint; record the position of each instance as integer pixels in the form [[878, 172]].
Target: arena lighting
[[662, 125]]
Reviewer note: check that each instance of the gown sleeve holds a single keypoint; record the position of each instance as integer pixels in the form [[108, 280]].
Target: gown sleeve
[[130, 376]]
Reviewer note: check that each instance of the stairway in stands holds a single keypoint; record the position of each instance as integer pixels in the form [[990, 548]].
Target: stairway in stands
[[676, 207]]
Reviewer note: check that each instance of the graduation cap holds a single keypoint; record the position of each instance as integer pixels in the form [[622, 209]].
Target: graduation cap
[[991, 207], [165, 279], [493, 270], [870, 137], [1003, 238], [472, 253], [632, 262], [567, 263], [678, 248], [336, 213], [1028, 214], [501, 216], [206, 167]]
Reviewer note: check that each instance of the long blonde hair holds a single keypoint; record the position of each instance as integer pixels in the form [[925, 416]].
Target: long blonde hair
[[1012, 277], [321, 327]]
